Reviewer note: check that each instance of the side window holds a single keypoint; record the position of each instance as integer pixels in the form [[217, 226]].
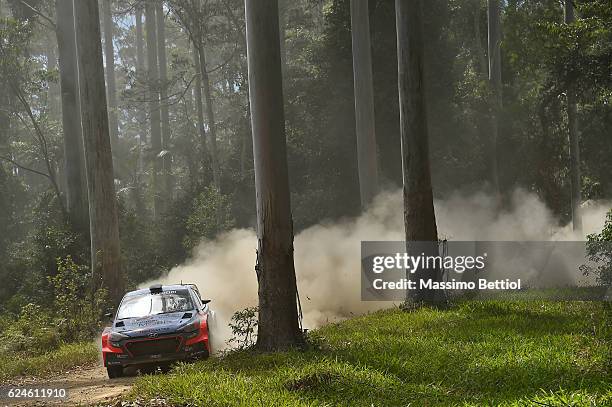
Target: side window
[[197, 299], [197, 292]]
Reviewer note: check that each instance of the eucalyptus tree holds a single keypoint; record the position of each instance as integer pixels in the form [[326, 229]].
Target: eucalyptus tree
[[574, 146], [111, 83], [163, 93], [199, 100], [364, 102], [193, 15], [74, 160], [104, 227], [141, 117], [153, 98], [278, 326], [419, 214], [494, 59]]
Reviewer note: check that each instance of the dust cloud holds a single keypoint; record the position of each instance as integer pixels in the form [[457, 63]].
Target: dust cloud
[[327, 256]]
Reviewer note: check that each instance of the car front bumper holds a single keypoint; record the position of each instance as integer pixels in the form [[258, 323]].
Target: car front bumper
[[142, 351]]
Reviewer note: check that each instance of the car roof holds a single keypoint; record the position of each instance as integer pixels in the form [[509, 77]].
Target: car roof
[[163, 288]]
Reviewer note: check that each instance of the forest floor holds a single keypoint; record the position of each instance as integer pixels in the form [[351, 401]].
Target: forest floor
[[85, 385], [476, 353]]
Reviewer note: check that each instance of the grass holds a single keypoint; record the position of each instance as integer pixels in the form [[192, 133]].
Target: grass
[[477, 353], [65, 357]]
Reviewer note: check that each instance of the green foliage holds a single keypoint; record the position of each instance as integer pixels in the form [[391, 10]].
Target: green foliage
[[32, 332], [498, 353], [144, 253], [15, 34], [51, 362], [73, 314], [76, 312], [244, 328], [47, 238], [210, 215], [599, 253]]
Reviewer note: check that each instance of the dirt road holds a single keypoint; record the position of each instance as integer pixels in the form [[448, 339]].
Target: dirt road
[[84, 386]]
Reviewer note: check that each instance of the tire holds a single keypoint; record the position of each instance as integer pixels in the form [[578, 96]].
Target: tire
[[114, 372]]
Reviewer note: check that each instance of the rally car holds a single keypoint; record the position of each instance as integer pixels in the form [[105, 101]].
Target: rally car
[[156, 326]]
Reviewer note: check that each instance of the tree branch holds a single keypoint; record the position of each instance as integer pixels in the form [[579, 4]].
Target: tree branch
[[37, 12], [16, 164], [43, 146]]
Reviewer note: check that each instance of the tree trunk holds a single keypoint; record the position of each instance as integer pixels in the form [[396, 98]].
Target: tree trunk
[[163, 92], [419, 214], [574, 146], [153, 97], [364, 102], [53, 92], [480, 53], [210, 115], [74, 166], [245, 139], [111, 86], [283, 5], [5, 126], [494, 54], [244, 144], [104, 227], [199, 102], [141, 116], [278, 319]]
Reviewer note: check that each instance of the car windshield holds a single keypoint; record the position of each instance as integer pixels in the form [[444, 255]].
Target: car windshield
[[164, 302]]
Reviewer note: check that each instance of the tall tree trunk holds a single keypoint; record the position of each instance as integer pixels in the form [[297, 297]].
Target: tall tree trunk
[[278, 319], [5, 126], [480, 53], [111, 86], [163, 92], [574, 146], [53, 92], [364, 102], [199, 102], [104, 227], [74, 166], [245, 139], [141, 116], [494, 54], [153, 96], [210, 115], [419, 214], [283, 5]]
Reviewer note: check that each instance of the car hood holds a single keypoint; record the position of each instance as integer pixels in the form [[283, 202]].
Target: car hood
[[160, 324]]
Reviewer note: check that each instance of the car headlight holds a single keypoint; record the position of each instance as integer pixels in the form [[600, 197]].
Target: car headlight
[[191, 327], [116, 337]]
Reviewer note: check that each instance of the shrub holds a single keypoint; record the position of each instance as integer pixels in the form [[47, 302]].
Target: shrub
[[77, 312], [33, 331], [599, 252], [243, 325]]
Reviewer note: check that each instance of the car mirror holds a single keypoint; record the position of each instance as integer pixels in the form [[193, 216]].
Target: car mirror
[[206, 301]]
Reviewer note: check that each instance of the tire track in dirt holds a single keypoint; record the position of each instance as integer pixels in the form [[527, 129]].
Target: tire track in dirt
[[87, 385]]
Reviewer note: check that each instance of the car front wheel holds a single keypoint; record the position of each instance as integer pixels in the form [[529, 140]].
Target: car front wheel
[[114, 372]]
